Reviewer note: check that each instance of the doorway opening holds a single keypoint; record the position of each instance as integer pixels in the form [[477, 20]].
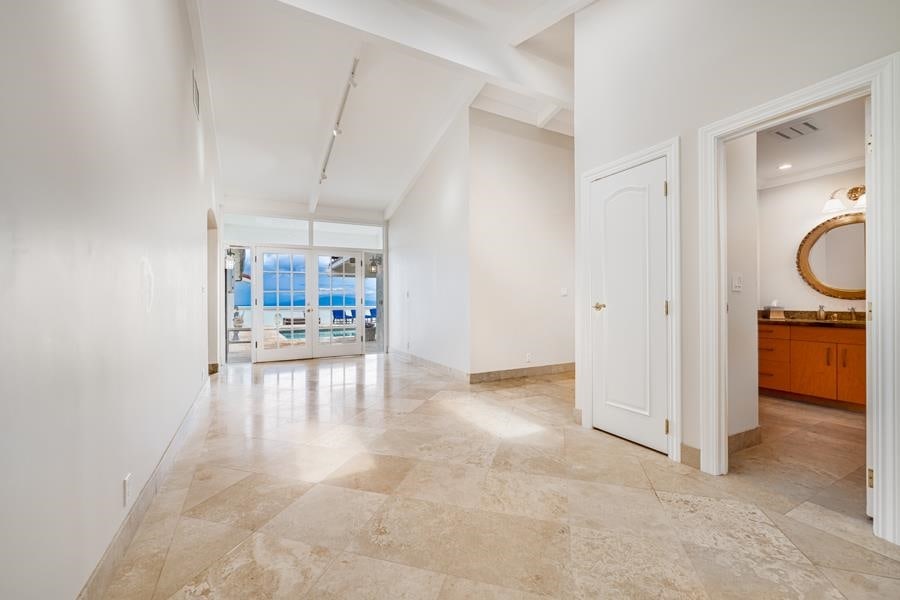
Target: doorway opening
[[796, 275], [877, 81], [212, 292]]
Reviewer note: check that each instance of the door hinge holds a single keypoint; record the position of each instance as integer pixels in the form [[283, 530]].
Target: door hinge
[[869, 142], [256, 344], [667, 427], [870, 478], [667, 307], [666, 189], [256, 301]]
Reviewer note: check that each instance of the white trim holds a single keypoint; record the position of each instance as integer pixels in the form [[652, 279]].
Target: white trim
[[583, 381], [881, 80]]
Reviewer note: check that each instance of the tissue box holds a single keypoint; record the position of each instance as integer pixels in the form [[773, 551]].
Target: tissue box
[[774, 312]]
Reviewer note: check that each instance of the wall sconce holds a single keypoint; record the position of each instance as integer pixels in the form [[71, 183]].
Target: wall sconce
[[854, 199]]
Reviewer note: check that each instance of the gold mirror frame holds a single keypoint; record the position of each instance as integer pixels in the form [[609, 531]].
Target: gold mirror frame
[[806, 246]]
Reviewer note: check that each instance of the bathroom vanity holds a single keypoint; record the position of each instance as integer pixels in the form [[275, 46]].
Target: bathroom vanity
[[814, 360]]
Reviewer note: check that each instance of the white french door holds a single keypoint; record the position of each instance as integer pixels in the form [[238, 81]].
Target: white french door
[[338, 304], [281, 316], [306, 304], [628, 286]]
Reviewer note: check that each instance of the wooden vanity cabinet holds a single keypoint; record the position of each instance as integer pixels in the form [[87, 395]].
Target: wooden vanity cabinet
[[851, 369], [813, 369], [819, 361]]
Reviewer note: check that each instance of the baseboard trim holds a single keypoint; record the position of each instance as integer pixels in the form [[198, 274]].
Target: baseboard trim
[[744, 439], [487, 376], [101, 577], [690, 456]]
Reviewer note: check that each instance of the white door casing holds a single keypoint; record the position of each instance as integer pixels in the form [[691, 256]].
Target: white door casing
[[628, 294]]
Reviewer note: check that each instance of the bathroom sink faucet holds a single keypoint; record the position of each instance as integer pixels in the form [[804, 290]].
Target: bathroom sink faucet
[[852, 313]]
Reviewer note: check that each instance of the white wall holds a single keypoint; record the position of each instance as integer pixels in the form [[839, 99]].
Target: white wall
[[786, 214], [522, 216], [743, 261], [647, 71], [104, 188], [428, 258]]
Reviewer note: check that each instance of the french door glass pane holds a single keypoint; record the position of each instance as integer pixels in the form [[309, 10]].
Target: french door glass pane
[[284, 300], [337, 299]]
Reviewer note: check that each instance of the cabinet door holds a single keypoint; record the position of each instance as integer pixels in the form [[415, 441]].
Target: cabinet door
[[814, 369], [851, 379]]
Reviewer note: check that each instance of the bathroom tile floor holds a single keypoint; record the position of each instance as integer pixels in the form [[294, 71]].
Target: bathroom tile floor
[[369, 477]]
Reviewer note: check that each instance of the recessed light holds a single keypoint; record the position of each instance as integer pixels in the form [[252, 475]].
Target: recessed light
[[785, 166]]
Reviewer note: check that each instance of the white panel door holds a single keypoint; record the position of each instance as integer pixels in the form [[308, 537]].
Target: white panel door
[[628, 296]]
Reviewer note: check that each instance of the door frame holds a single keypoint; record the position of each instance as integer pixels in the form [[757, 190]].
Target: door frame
[[880, 80], [669, 150]]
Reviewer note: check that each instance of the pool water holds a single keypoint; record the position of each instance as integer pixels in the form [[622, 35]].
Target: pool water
[[300, 334]]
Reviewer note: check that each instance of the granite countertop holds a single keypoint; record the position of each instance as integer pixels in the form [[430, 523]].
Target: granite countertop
[[859, 324]]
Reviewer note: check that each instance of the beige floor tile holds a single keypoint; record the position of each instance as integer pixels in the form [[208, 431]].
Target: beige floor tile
[[267, 433], [856, 586], [456, 588], [209, 480], [195, 546], [251, 502], [261, 567], [529, 458], [611, 507], [738, 552], [307, 463], [447, 483], [515, 552], [617, 564], [855, 530], [421, 445], [349, 437], [371, 472], [354, 577], [826, 550], [524, 494], [325, 516]]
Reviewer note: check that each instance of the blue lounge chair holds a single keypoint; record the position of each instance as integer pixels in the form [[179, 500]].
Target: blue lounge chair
[[338, 315]]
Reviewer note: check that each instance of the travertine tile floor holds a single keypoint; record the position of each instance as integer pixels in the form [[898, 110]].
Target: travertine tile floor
[[372, 478]]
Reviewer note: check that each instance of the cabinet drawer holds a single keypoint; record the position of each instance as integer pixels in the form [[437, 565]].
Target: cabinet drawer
[[835, 335], [779, 332], [775, 375], [774, 350]]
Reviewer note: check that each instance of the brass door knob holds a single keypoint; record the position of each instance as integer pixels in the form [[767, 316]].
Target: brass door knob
[[598, 306]]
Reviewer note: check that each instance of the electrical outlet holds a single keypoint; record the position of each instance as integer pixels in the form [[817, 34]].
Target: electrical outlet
[[126, 490], [528, 357]]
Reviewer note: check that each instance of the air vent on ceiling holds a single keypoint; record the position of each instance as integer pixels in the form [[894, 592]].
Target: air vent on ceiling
[[796, 129]]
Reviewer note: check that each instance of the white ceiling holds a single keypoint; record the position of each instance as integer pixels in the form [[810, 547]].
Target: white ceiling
[[838, 145], [556, 43], [277, 71]]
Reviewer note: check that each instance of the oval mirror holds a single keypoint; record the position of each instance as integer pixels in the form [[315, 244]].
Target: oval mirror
[[832, 257]]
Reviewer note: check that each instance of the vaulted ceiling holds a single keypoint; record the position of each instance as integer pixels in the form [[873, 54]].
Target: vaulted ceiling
[[278, 70]]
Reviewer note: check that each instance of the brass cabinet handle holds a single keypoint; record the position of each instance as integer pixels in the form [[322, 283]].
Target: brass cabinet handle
[[767, 374], [844, 358], [767, 331], [768, 349], [598, 306], [828, 356]]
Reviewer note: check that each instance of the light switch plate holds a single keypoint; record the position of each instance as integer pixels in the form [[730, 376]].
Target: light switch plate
[[737, 282]]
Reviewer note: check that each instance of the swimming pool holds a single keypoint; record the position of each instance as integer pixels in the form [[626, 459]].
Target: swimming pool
[[300, 334]]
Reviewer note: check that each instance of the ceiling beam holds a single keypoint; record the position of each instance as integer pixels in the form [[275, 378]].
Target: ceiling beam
[[547, 114], [411, 27], [547, 15]]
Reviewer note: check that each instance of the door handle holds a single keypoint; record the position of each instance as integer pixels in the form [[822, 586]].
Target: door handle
[[844, 358], [598, 306], [828, 356]]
